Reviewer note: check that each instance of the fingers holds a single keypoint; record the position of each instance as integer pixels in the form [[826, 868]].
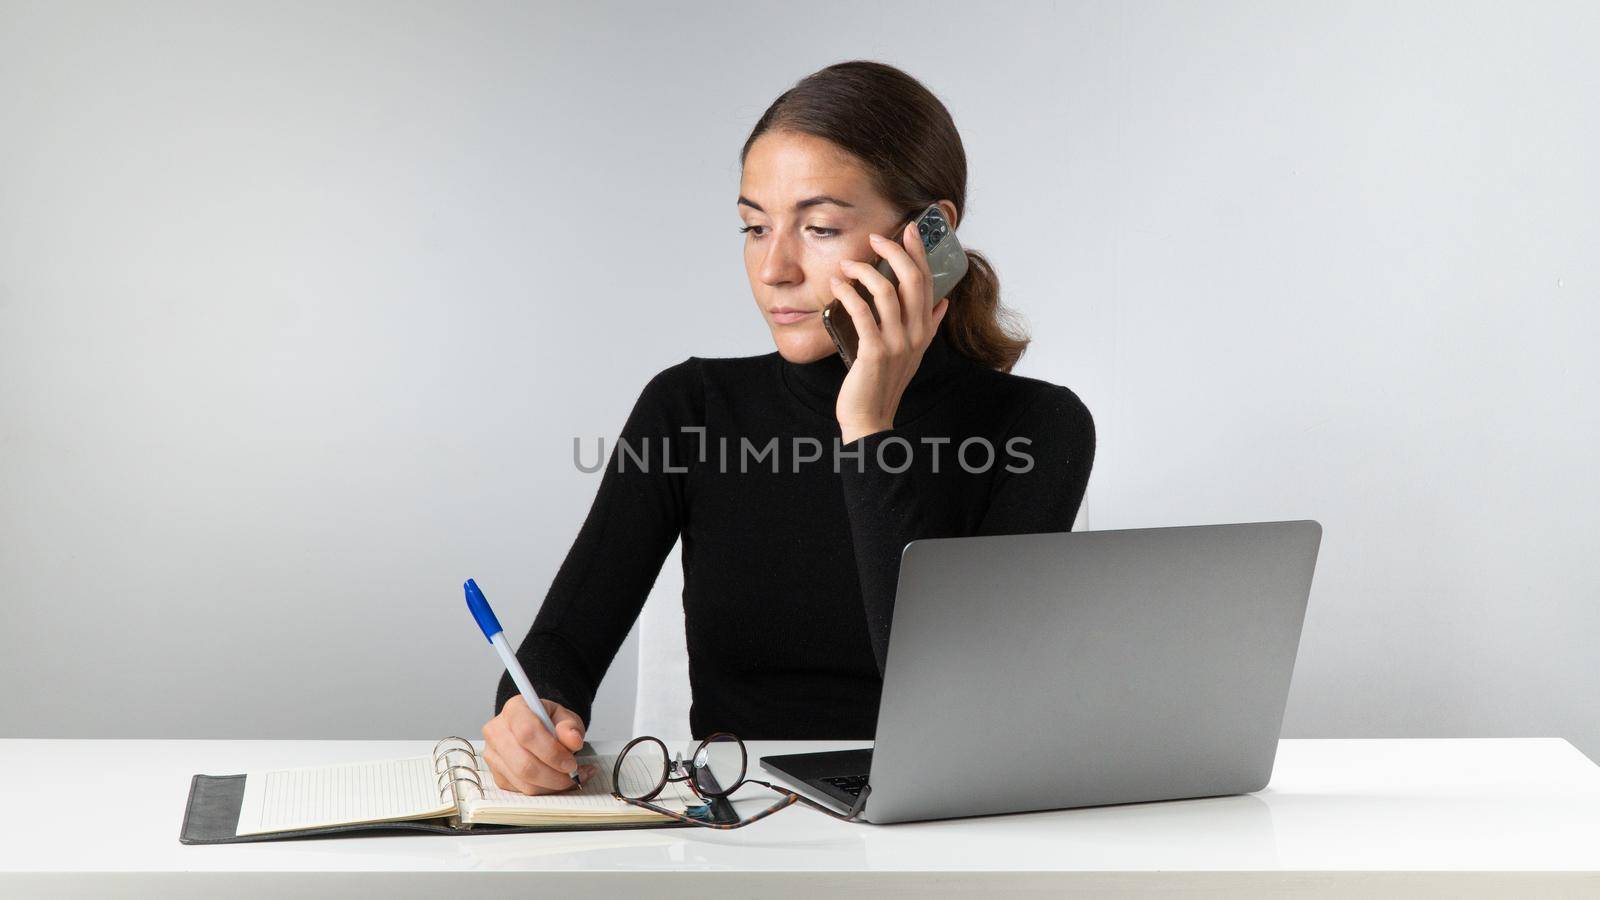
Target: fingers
[[531, 735], [514, 766], [910, 262], [891, 328], [906, 313], [515, 769], [517, 725], [912, 239], [502, 775], [569, 727], [869, 339]]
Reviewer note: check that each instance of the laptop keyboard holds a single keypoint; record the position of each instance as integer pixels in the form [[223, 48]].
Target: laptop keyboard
[[850, 784]]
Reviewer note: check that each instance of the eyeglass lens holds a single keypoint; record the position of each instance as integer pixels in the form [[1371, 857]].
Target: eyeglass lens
[[716, 765], [642, 769]]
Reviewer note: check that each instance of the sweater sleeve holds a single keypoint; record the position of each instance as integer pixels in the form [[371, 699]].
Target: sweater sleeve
[[635, 518], [1042, 470]]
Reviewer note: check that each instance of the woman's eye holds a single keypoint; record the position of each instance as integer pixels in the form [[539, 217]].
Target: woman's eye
[[818, 230]]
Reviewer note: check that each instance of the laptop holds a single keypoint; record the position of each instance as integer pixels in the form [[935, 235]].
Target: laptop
[[1051, 671]]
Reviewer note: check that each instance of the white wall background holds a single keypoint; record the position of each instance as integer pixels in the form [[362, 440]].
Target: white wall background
[[301, 306]]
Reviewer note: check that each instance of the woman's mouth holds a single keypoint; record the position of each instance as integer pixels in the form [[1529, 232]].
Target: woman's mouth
[[788, 315]]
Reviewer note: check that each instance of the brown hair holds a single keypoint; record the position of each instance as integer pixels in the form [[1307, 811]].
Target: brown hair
[[908, 143]]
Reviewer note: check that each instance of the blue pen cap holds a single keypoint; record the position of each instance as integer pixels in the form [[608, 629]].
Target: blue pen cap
[[481, 611]]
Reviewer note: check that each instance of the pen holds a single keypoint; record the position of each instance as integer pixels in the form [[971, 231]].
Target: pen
[[479, 605]]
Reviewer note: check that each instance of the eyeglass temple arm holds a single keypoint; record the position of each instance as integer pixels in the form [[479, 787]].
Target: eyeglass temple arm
[[860, 804], [861, 800]]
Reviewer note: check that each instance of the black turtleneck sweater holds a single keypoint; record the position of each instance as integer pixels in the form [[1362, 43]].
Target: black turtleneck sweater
[[789, 575]]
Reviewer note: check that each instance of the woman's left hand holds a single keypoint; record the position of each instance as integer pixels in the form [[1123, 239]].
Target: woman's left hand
[[891, 349]]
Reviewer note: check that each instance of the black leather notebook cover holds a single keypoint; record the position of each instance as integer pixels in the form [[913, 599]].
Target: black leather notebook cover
[[212, 814]]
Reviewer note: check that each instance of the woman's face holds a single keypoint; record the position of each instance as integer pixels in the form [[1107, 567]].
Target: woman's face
[[806, 204]]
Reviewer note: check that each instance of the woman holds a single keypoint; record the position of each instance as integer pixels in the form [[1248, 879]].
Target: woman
[[794, 481]]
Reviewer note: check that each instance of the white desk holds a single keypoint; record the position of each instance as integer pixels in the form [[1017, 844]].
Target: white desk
[[1341, 817]]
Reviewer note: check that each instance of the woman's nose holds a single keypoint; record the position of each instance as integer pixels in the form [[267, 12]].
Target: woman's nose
[[781, 265]]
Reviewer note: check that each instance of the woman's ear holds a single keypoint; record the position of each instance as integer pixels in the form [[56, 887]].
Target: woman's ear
[[949, 210]]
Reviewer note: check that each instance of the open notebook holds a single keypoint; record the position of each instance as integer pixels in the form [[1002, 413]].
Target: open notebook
[[448, 791]]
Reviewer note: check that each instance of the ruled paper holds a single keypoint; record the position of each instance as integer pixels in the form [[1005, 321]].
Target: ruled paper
[[593, 798], [318, 796]]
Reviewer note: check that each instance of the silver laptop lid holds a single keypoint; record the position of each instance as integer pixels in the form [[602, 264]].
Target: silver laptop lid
[[1045, 671]]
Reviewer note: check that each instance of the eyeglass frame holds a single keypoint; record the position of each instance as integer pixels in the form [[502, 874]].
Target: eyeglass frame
[[672, 762]]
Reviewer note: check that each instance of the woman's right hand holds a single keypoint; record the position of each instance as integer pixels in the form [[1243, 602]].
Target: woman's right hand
[[524, 757]]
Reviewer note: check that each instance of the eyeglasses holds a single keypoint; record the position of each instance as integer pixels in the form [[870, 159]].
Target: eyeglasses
[[715, 770]]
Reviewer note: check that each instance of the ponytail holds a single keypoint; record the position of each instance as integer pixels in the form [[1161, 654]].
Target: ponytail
[[976, 325]]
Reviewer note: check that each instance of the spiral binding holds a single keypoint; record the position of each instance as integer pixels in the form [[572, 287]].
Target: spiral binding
[[445, 769]]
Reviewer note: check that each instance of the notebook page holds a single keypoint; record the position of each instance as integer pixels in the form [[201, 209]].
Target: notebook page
[[316, 796], [593, 798]]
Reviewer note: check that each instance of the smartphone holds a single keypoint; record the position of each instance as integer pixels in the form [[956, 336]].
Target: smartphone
[[946, 260]]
